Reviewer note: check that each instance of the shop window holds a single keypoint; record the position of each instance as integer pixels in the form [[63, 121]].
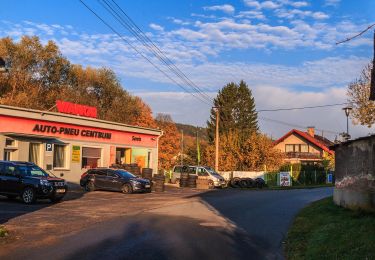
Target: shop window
[[34, 153], [91, 157], [123, 155], [10, 143], [7, 155], [59, 156]]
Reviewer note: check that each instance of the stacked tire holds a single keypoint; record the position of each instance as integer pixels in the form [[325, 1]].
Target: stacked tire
[[247, 183], [158, 182], [192, 181], [134, 168], [147, 173], [184, 179]]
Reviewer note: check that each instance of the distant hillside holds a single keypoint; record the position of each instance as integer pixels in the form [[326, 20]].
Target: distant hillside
[[192, 130]]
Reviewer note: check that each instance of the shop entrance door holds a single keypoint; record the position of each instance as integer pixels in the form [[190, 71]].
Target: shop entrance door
[[123, 155]]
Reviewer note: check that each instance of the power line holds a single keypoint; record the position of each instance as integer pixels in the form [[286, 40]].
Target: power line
[[300, 108], [295, 125], [142, 55], [357, 35], [147, 42]]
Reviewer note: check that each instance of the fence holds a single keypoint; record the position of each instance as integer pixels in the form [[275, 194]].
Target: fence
[[301, 178]]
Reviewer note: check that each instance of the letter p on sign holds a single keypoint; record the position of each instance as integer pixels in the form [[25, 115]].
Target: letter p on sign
[[48, 147]]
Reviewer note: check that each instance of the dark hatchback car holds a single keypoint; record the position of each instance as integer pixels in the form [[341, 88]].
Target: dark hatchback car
[[29, 182], [114, 180]]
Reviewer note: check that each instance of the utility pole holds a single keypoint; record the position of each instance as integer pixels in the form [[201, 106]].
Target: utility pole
[[217, 140], [182, 147]]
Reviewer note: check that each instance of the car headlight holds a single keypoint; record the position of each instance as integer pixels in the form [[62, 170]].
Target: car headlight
[[44, 183], [136, 182]]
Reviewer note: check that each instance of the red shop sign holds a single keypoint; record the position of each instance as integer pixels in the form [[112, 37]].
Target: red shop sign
[[76, 109]]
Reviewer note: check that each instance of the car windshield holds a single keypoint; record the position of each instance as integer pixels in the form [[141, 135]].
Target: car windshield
[[125, 174], [211, 171], [29, 170]]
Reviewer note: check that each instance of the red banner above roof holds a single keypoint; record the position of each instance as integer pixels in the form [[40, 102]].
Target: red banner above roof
[[76, 109]]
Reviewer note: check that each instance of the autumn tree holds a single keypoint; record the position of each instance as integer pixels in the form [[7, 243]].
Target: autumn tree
[[255, 153], [169, 143], [358, 95], [236, 111], [39, 75]]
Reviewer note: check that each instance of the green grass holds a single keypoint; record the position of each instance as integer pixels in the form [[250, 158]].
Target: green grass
[[300, 187], [326, 231], [3, 232]]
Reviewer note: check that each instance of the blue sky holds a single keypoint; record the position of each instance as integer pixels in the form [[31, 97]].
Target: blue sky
[[284, 49]]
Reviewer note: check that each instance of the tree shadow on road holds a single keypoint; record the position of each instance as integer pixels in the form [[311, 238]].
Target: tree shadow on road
[[152, 236]]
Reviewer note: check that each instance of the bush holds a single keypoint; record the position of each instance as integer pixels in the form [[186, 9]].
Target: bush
[[3, 232]]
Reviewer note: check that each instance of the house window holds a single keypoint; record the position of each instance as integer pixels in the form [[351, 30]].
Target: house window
[[298, 148], [304, 148], [34, 153], [289, 148], [91, 157], [59, 156]]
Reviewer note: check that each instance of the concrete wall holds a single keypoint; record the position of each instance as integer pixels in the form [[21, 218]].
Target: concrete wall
[[241, 174], [355, 174]]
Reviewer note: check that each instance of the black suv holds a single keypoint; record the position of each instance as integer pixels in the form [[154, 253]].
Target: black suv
[[113, 179], [30, 182]]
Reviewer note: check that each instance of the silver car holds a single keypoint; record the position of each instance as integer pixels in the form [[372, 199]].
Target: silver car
[[216, 178]]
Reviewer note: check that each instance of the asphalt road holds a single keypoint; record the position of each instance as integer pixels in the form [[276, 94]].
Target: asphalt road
[[224, 224]]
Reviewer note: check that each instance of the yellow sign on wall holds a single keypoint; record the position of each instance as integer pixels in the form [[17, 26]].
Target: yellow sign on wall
[[76, 153]]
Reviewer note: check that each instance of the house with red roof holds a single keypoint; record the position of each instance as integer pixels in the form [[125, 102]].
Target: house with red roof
[[304, 147]]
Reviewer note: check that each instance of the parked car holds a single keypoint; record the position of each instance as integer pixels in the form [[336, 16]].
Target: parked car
[[29, 182], [216, 178], [113, 179]]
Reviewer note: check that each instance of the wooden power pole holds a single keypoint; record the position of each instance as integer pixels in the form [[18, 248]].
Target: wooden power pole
[[217, 140]]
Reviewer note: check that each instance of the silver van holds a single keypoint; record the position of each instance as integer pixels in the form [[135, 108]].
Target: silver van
[[217, 179]]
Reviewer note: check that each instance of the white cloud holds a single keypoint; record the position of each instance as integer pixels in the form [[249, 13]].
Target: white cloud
[[261, 5], [229, 9], [319, 15], [332, 2], [269, 5], [156, 27], [253, 14], [252, 3], [293, 13], [299, 4]]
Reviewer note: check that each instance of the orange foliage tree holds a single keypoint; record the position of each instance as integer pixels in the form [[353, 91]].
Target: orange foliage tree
[[39, 75], [254, 154], [169, 143]]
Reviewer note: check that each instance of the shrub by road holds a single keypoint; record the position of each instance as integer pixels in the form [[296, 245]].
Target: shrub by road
[[326, 231]]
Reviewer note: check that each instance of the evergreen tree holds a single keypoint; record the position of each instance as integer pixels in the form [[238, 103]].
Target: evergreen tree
[[236, 111]]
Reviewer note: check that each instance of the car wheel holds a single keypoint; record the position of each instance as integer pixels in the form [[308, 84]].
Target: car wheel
[[211, 184], [56, 199], [11, 197], [90, 186], [127, 188], [28, 195]]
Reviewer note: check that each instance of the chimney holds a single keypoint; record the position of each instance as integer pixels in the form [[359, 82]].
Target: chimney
[[311, 131]]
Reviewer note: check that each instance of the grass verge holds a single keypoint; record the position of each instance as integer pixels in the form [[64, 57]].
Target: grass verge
[[300, 187], [326, 231], [3, 232]]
